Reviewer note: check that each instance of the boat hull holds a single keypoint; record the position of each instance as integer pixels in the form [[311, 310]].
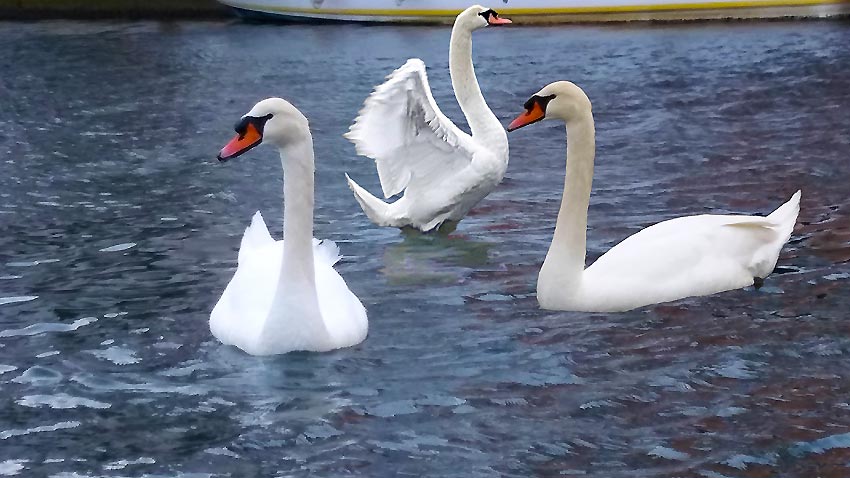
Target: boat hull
[[532, 11]]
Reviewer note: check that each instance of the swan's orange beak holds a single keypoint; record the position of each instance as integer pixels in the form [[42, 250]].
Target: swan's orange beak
[[532, 115], [495, 20], [241, 143]]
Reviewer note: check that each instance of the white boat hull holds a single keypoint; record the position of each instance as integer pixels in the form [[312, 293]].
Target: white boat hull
[[534, 11]]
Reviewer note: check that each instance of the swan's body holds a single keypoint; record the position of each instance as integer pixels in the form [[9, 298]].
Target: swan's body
[[442, 171], [683, 257], [286, 296]]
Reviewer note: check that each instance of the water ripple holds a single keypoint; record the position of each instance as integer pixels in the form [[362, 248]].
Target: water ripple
[[60, 401], [117, 355], [15, 299], [122, 464], [821, 445], [39, 376], [11, 467], [6, 434], [36, 329], [119, 247]]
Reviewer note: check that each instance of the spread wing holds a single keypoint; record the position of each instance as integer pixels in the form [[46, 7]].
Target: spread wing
[[412, 142]]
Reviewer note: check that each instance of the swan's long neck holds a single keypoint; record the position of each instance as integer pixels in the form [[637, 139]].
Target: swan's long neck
[[564, 262], [481, 120], [297, 266]]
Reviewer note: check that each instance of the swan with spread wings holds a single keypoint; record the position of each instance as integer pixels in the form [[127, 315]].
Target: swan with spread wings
[[442, 171]]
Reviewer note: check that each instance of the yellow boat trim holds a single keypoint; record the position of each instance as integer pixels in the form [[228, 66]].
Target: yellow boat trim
[[507, 12]]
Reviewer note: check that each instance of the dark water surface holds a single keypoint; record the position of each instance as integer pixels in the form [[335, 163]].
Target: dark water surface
[[119, 230]]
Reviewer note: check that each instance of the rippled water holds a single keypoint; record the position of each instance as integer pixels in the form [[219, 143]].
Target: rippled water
[[118, 231]]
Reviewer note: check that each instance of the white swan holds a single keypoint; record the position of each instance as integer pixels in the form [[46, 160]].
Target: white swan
[[285, 296], [682, 257], [443, 171]]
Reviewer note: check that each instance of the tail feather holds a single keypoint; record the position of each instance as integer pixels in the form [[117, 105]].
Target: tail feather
[[785, 216], [782, 221], [378, 211]]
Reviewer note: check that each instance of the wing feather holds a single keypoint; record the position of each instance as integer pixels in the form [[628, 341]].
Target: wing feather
[[401, 127]]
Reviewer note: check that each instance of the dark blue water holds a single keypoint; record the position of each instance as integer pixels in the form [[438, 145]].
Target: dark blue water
[[119, 230]]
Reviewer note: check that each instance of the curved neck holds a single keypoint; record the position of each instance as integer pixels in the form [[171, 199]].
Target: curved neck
[[298, 168], [481, 120], [567, 253]]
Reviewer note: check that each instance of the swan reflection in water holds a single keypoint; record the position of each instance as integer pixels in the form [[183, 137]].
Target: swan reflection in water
[[434, 258]]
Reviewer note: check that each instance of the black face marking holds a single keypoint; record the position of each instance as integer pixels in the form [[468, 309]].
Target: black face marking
[[259, 122], [486, 14], [526, 118], [543, 101]]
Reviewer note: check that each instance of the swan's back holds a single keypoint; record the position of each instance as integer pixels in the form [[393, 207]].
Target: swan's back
[[689, 256]]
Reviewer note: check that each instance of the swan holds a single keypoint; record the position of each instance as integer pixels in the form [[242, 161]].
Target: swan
[[442, 171], [682, 257], [285, 296]]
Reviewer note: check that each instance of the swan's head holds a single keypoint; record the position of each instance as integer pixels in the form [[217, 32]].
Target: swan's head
[[273, 120], [559, 100], [476, 17]]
